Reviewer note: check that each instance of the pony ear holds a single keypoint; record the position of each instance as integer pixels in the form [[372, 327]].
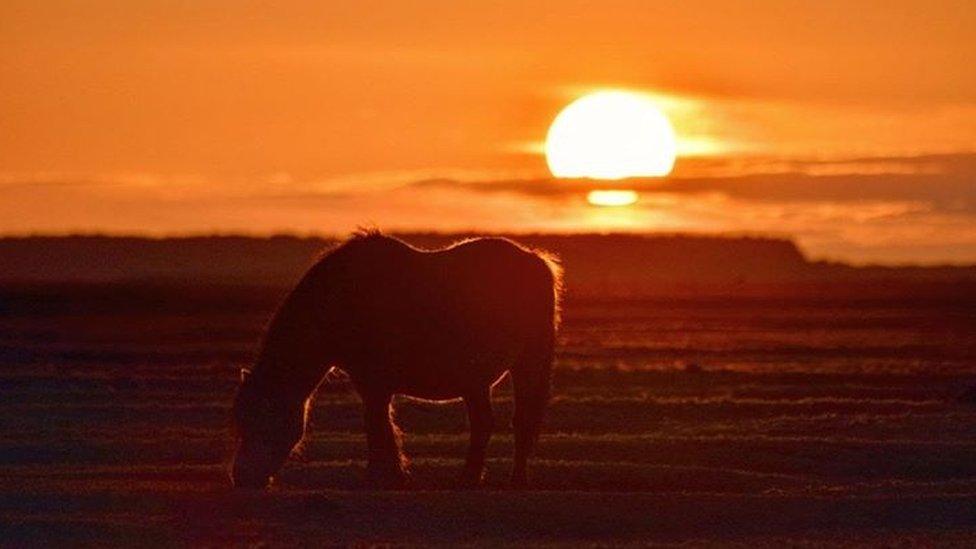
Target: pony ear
[[245, 373]]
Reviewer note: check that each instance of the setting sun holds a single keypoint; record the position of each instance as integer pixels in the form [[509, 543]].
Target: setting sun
[[611, 135], [611, 198]]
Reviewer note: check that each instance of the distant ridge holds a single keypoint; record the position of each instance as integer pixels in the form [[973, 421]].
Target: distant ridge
[[612, 265]]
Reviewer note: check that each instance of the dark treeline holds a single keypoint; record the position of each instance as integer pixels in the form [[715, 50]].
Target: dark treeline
[[605, 266]]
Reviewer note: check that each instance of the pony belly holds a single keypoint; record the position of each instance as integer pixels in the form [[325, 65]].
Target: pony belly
[[451, 383], [430, 395]]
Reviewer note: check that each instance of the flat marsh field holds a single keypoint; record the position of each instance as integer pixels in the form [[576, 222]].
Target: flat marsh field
[[751, 422]]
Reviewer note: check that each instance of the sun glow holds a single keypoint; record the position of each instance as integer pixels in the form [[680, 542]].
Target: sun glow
[[611, 198], [611, 135]]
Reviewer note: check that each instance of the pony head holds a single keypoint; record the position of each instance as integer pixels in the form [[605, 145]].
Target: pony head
[[268, 428]]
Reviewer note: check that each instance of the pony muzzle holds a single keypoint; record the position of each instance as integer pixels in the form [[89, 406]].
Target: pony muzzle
[[249, 479], [254, 470]]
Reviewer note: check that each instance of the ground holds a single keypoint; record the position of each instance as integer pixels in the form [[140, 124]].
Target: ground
[[696, 422]]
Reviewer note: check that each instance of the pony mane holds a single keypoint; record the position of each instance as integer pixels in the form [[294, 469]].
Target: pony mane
[[370, 235], [365, 231]]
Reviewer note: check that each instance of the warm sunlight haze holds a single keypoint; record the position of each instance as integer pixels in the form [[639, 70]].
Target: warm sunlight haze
[[611, 135], [851, 131]]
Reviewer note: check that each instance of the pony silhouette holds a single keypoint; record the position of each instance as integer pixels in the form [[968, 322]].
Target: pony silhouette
[[435, 325]]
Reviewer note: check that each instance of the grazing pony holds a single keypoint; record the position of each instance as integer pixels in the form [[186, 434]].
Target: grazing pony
[[437, 325]]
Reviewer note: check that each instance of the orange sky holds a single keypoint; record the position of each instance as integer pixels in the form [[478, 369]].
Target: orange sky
[[159, 117]]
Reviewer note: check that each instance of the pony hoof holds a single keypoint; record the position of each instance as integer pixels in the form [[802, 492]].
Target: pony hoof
[[471, 480], [387, 480], [255, 483], [519, 482]]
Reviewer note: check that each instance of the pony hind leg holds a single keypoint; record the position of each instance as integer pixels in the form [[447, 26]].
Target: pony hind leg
[[386, 465], [531, 379], [481, 423]]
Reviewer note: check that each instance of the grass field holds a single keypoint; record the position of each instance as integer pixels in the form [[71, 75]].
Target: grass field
[[741, 422]]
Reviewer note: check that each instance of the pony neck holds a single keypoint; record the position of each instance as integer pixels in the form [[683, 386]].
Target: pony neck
[[292, 361], [288, 377]]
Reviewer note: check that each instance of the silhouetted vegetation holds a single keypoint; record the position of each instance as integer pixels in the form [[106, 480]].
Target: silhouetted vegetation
[[606, 266]]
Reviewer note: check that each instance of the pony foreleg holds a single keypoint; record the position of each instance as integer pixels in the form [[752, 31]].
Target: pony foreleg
[[386, 465], [481, 422]]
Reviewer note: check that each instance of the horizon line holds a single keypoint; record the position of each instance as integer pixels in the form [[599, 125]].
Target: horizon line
[[713, 235]]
